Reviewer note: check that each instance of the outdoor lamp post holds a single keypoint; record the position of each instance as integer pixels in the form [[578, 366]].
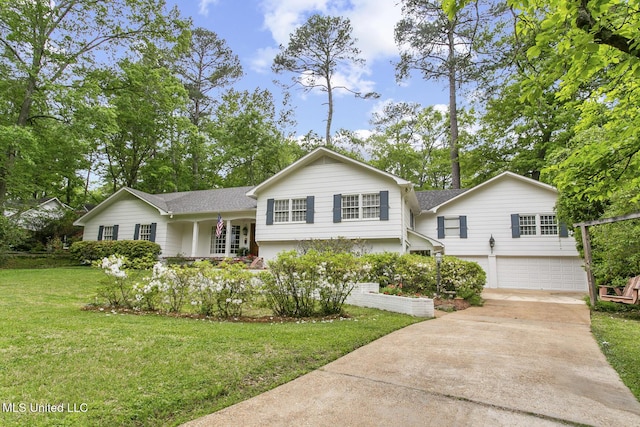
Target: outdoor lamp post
[[438, 262]]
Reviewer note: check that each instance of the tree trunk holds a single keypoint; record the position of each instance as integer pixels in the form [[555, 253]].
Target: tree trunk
[[453, 115], [329, 112]]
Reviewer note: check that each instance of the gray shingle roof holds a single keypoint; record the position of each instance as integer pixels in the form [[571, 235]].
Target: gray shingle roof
[[431, 198], [218, 200]]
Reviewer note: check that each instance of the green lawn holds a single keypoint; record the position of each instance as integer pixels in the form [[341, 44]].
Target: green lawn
[[619, 337], [114, 369]]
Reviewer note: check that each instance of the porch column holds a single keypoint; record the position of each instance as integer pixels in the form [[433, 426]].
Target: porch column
[[194, 240], [492, 274], [227, 246]]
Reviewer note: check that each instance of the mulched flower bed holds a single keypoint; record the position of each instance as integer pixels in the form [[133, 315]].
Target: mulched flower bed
[[448, 304], [238, 319]]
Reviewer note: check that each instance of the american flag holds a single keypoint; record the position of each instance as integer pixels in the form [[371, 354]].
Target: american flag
[[219, 226]]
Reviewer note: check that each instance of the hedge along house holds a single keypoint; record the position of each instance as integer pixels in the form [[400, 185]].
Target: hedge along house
[[327, 195]]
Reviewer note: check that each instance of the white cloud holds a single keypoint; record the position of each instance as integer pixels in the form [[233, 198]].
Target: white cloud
[[203, 8], [262, 60], [373, 24]]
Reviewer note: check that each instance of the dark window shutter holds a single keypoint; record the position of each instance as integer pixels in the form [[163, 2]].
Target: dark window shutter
[[100, 231], [463, 226], [310, 207], [515, 225], [269, 211], [440, 227], [337, 207], [384, 206], [564, 231], [115, 232], [136, 232], [152, 234]]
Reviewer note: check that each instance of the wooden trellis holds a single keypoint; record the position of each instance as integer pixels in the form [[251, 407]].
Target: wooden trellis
[[586, 243]]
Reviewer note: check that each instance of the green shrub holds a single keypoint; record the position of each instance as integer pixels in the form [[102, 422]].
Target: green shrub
[[465, 278], [417, 274], [139, 253], [382, 268], [310, 284], [289, 285]]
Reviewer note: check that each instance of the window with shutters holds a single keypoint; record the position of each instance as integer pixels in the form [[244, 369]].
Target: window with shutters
[[107, 232], [528, 225], [452, 226], [537, 225], [145, 232], [290, 210], [357, 206]]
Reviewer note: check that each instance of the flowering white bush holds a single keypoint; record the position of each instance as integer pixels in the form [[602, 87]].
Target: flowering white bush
[[117, 289]]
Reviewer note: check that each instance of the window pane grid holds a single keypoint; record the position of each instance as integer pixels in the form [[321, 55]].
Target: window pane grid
[[350, 206], [527, 225], [235, 239], [145, 232], [371, 206], [107, 232], [298, 209], [218, 244], [548, 225], [281, 211]]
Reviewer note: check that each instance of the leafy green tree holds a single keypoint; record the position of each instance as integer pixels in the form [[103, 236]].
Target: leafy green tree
[[250, 144], [410, 142], [445, 47], [45, 45], [316, 52], [149, 103]]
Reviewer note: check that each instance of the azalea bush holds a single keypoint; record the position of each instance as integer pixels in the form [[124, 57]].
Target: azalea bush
[[117, 287], [416, 274], [310, 284], [466, 279], [222, 290]]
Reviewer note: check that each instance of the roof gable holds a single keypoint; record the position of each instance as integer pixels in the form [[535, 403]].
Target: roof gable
[[323, 155], [499, 178], [186, 202]]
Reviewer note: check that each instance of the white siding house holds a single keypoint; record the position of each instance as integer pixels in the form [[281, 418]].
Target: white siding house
[[327, 195]]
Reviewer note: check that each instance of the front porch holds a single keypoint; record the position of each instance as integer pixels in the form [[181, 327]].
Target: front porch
[[198, 237]]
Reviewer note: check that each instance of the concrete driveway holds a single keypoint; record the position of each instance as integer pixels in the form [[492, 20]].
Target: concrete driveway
[[525, 358]]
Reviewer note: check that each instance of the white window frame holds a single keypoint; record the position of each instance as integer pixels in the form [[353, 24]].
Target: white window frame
[[538, 225], [107, 232], [145, 232], [451, 226], [353, 207], [292, 210]]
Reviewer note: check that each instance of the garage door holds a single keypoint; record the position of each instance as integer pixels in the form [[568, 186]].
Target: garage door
[[552, 273]]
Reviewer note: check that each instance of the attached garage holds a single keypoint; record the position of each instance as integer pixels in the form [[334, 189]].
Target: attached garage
[[550, 273]]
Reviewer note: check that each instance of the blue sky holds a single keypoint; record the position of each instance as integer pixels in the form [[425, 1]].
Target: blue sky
[[254, 29]]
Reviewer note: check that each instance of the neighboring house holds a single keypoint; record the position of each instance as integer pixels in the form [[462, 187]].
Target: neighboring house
[[327, 195], [37, 215]]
